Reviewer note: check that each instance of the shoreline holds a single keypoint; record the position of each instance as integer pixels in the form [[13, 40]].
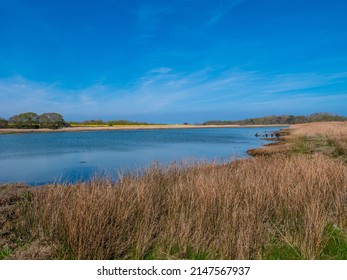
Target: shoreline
[[128, 127], [274, 145], [294, 176]]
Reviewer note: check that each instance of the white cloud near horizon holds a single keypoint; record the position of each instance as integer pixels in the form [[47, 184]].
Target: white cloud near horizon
[[163, 91]]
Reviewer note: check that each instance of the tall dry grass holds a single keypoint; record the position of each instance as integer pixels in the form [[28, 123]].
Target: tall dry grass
[[334, 132], [214, 211], [326, 129]]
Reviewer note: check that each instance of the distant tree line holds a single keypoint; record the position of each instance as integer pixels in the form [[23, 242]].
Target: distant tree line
[[33, 120], [55, 120], [109, 123], [284, 119]]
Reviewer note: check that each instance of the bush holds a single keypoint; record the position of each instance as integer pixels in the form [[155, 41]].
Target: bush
[[51, 120], [3, 123], [25, 120]]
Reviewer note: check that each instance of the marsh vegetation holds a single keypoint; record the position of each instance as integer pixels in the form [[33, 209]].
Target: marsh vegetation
[[285, 204]]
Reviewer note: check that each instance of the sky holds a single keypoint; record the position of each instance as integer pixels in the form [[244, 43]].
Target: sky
[[173, 61]]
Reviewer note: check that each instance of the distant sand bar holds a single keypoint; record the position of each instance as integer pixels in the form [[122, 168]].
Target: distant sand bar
[[125, 127]]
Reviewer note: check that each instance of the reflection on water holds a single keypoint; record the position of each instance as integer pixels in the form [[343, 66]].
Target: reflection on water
[[39, 158]]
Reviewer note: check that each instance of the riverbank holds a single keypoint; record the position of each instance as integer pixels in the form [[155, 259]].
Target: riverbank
[[125, 127], [326, 138], [287, 203]]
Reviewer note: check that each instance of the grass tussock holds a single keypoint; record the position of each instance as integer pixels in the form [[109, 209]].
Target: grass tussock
[[264, 207]]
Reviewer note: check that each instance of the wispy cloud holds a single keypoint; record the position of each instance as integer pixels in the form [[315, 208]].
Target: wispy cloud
[[222, 9], [163, 91], [161, 70]]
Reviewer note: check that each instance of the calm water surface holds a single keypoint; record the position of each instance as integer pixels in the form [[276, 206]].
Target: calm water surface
[[39, 158]]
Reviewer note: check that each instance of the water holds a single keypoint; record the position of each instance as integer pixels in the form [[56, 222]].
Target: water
[[40, 158]]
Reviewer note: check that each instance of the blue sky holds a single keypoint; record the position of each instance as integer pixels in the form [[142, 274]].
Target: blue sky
[[173, 61]]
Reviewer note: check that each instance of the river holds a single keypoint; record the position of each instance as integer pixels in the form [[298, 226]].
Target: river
[[40, 158]]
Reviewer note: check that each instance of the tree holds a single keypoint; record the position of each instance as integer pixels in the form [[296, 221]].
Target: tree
[[94, 122], [25, 120], [51, 120], [3, 123]]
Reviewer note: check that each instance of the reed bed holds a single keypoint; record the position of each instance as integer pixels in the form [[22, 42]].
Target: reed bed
[[334, 132], [329, 138], [237, 210], [326, 129]]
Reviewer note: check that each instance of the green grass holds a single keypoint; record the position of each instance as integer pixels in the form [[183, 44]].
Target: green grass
[[336, 244], [301, 146], [334, 247], [5, 252], [323, 145], [281, 251]]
